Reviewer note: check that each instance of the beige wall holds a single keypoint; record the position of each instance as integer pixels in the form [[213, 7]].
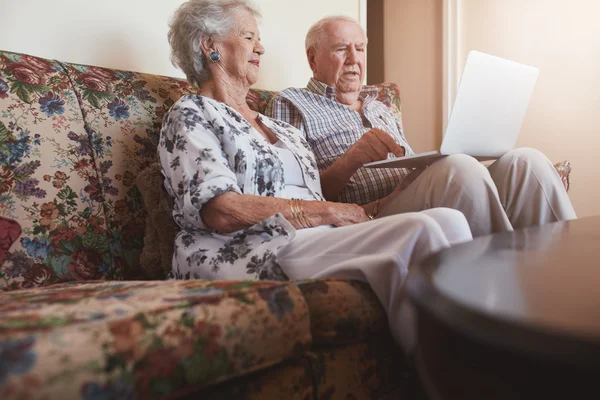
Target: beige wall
[[375, 53], [131, 34], [413, 60], [563, 40]]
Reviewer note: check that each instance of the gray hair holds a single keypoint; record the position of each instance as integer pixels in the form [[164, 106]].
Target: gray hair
[[194, 21], [316, 34]]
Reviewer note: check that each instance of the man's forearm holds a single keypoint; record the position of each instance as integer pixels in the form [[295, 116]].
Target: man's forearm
[[335, 178]]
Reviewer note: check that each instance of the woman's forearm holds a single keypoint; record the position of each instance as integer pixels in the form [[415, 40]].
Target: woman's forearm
[[230, 212]]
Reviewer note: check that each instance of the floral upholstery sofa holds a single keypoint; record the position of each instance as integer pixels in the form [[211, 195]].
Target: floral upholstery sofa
[[80, 318]]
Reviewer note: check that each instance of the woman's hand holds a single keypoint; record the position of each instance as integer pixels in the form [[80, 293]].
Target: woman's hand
[[347, 214]]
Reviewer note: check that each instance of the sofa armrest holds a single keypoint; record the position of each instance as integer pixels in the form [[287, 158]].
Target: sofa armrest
[[564, 171]]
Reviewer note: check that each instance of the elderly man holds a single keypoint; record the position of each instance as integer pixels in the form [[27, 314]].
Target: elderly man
[[346, 127]]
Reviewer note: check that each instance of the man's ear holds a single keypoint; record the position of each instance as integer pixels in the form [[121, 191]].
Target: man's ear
[[310, 55]]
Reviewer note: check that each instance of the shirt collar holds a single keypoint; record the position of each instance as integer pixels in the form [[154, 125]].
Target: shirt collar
[[367, 93]]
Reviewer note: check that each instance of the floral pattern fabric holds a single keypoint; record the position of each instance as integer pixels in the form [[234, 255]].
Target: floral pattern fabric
[[72, 140], [207, 148], [180, 339], [144, 340], [342, 311], [292, 380], [372, 368], [122, 340], [48, 178], [564, 171], [123, 113]]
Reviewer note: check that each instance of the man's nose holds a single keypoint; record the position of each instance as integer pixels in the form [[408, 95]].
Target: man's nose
[[352, 57]]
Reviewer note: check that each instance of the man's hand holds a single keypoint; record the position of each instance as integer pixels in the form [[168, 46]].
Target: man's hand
[[374, 145]]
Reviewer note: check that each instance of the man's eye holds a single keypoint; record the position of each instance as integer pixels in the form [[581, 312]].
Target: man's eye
[[360, 49]]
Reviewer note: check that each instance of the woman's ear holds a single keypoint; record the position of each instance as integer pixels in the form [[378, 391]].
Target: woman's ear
[[207, 45]]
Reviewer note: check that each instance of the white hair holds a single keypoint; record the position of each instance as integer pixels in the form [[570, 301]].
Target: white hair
[[316, 34], [194, 21]]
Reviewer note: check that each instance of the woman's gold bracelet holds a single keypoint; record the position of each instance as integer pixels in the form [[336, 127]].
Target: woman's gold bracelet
[[302, 216], [294, 210], [298, 213]]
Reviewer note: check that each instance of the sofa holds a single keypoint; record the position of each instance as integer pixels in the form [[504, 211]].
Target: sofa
[[82, 317]]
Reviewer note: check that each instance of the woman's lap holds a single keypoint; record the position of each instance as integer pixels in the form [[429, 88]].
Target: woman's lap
[[402, 238]]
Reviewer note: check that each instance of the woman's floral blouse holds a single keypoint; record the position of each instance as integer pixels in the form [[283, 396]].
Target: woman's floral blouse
[[207, 148]]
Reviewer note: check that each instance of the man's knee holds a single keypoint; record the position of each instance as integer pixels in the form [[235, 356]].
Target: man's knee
[[462, 170], [461, 164], [528, 155]]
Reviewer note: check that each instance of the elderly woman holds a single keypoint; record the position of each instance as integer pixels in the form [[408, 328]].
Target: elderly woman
[[246, 189]]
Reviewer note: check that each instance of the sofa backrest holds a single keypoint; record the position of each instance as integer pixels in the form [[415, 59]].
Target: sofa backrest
[[72, 140], [47, 170]]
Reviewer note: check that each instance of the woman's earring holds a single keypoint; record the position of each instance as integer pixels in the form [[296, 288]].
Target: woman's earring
[[214, 56]]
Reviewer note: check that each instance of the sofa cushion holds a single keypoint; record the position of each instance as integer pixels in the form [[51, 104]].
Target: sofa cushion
[[156, 258], [148, 339], [48, 180], [373, 368], [291, 380], [342, 311]]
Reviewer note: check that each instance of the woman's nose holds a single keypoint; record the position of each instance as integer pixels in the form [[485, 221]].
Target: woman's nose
[[259, 48]]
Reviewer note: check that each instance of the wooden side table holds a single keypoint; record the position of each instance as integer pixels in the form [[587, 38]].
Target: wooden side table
[[512, 316]]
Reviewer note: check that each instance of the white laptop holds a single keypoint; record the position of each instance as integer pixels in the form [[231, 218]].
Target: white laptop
[[489, 108]]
